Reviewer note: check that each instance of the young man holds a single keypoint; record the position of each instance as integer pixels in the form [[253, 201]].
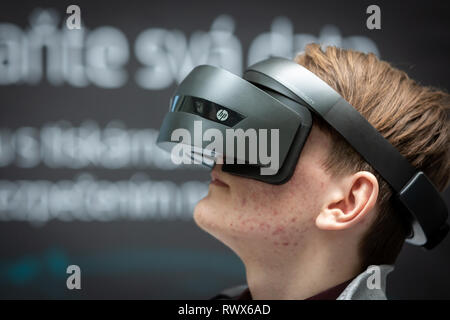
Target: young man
[[331, 227]]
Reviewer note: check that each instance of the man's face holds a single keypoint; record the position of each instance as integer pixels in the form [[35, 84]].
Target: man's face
[[239, 210]]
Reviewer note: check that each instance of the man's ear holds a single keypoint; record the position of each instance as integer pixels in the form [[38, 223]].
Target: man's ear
[[349, 201]]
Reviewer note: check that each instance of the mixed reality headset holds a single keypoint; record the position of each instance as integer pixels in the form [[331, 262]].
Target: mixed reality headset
[[279, 98]]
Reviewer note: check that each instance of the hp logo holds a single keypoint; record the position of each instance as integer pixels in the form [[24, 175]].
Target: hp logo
[[222, 115]]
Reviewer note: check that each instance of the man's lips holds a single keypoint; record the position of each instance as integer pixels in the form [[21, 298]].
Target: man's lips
[[216, 180]]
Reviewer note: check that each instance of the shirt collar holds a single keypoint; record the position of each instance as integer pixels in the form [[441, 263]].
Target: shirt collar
[[329, 294]]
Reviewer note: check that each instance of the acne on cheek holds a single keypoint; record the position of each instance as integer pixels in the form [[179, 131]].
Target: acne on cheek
[[288, 234], [272, 212], [278, 230], [279, 236], [285, 244], [264, 226], [253, 225]]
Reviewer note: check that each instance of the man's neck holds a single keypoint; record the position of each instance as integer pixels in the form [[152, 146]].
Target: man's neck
[[299, 274]]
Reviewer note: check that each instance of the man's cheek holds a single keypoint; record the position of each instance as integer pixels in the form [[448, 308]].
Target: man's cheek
[[251, 196], [270, 228], [289, 235]]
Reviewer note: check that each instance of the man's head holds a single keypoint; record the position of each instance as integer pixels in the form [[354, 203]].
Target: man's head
[[335, 202]]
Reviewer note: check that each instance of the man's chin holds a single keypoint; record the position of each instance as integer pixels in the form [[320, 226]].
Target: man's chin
[[203, 214], [215, 224], [211, 217]]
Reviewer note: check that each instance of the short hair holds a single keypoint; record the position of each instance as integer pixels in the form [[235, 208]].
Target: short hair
[[412, 117]]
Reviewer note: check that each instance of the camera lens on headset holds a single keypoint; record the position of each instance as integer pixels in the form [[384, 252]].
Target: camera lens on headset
[[199, 106]]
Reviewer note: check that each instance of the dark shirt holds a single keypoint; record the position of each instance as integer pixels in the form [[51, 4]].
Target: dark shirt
[[329, 294]]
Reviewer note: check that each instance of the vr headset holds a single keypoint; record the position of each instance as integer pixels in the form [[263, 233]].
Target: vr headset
[[279, 94]]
